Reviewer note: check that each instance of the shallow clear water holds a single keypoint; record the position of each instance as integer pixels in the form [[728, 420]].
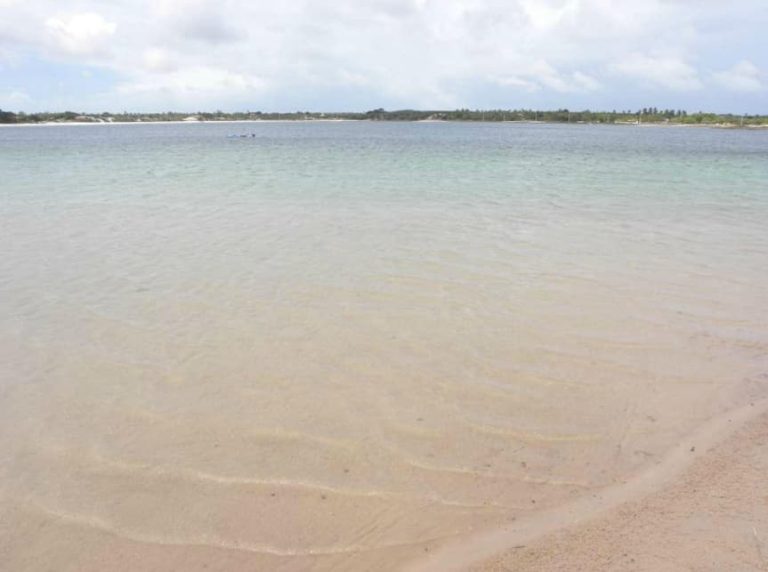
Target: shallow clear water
[[333, 345]]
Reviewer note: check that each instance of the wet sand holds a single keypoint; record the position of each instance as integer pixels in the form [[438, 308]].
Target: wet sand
[[704, 506], [713, 517], [712, 474]]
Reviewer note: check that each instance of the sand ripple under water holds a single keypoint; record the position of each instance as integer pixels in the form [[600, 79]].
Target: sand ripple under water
[[350, 346]]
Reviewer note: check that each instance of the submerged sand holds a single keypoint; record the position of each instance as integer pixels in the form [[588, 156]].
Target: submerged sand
[[704, 506], [348, 347]]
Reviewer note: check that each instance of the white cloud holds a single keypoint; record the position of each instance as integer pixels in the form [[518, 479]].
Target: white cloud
[[200, 20], [518, 82], [546, 15], [192, 85], [386, 52], [585, 82], [660, 71], [542, 75], [14, 99], [81, 34], [744, 76], [158, 60]]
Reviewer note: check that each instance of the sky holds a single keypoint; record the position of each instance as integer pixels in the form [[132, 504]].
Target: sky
[[356, 55]]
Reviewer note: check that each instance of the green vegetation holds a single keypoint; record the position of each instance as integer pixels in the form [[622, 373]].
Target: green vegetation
[[650, 115]]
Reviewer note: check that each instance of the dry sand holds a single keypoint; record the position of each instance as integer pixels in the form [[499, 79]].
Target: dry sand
[[708, 511]]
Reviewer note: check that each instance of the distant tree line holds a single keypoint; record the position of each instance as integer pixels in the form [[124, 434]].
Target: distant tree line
[[7, 117], [644, 115]]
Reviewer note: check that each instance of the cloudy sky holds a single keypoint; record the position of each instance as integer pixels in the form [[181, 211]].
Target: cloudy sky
[[327, 55]]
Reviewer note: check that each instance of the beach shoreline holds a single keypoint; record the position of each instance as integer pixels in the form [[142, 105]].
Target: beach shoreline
[[419, 121], [550, 533], [224, 121]]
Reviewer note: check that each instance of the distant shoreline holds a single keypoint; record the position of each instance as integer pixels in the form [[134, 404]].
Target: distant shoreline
[[453, 121], [225, 121], [644, 116]]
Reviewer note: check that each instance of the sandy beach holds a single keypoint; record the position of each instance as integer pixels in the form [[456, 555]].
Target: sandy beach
[[713, 517], [704, 506]]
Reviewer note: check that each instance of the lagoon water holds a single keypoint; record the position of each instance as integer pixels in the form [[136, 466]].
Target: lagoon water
[[339, 345]]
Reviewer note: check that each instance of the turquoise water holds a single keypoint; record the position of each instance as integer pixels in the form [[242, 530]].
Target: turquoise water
[[401, 331]]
